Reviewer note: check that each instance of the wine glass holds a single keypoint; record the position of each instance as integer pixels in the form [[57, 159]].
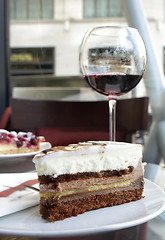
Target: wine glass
[[112, 60]]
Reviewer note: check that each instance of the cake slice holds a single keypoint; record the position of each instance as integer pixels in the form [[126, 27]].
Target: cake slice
[[21, 142], [86, 176]]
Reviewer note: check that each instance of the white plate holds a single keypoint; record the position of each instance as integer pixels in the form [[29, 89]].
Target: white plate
[[29, 222], [10, 157]]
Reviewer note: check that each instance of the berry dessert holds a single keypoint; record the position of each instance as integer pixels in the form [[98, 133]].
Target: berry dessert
[[21, 142]]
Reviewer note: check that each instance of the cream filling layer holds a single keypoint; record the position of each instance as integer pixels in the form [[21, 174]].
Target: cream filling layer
[[88, 157], [91, 188]]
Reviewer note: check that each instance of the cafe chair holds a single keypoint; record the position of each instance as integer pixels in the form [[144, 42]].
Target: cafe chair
[[65, 122], [5, 119]]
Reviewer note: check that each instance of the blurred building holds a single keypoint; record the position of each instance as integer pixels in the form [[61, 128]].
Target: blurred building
[[45, 35]]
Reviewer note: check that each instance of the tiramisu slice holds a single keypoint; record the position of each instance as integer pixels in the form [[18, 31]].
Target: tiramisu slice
[[87, 176], [21, 142]]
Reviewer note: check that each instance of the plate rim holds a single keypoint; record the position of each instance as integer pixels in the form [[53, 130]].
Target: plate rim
[[91, 230], [19, 155]]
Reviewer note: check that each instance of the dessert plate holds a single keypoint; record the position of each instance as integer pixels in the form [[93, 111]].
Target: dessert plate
[[8, 157], [29, 223]]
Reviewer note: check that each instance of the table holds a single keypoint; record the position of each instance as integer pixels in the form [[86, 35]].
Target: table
[[152, 230]]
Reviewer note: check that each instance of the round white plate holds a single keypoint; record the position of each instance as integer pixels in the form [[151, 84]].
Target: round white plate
[[20, 156], [29, 222]]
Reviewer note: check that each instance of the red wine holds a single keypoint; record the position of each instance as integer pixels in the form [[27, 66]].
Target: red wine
[[113, 84]]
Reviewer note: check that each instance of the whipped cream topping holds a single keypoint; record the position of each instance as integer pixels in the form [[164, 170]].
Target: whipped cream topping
[[92, 156]]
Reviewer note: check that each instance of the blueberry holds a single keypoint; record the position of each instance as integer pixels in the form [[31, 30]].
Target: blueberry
[[33, 141], [19, 143]]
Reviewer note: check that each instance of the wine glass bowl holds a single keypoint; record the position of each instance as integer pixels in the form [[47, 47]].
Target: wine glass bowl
[[112, 60]]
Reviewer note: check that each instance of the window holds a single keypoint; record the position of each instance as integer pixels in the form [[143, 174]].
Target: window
[[103, 8], [31, 9], [32, 61]]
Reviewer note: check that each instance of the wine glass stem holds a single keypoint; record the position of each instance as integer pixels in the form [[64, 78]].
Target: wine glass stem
[[112, 119]]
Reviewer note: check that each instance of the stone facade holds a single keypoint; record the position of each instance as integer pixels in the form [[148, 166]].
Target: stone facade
[[68, 27]]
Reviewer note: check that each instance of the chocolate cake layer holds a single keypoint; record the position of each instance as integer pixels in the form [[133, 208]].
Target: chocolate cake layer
[[84, 175], [70, 198], [61, 210], [49, 197]]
